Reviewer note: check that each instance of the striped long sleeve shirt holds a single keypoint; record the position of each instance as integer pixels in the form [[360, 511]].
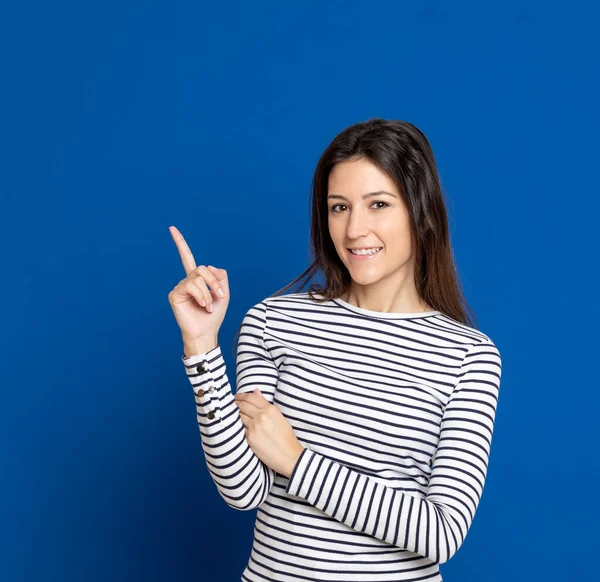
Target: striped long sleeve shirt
[[395, 412]]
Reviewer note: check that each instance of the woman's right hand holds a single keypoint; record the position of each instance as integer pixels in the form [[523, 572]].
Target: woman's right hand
[[194, 319]]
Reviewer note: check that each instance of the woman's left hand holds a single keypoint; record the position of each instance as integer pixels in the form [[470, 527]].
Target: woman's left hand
[[268, 433]]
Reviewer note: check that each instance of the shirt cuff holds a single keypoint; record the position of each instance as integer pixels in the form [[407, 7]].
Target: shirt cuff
[[204, 371], [297, 476]]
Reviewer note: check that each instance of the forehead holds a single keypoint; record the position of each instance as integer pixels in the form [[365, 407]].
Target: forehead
[[353, 178]]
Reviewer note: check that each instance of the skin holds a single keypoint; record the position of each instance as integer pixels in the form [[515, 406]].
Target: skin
[[385, 283], [269, 434]]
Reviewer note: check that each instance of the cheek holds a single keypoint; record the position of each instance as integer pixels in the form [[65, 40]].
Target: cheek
[[396, 240]]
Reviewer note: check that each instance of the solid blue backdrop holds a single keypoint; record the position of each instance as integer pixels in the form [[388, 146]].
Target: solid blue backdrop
[[121, 119]]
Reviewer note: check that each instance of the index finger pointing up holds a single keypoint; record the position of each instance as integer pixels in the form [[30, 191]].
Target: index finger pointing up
[[184, 251]]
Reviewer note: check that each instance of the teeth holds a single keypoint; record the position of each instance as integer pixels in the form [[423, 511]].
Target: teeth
[[365, 252]]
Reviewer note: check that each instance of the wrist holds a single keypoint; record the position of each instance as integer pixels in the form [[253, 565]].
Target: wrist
[[197, 346]]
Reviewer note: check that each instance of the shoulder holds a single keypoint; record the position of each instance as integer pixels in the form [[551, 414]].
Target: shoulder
[[458, 332], [290, 301], [287, 298], [278, 303]]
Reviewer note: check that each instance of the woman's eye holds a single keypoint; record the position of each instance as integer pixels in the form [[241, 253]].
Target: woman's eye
[[385, 205]]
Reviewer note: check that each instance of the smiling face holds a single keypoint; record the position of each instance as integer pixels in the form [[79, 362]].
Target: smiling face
[[381, 220]]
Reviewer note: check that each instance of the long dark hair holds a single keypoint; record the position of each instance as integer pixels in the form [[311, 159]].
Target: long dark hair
[[401, 151]]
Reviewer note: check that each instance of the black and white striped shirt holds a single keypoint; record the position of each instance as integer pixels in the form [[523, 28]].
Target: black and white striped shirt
[[395, 413]]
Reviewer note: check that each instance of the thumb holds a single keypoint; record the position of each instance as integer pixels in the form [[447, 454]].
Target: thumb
[[220, 274]]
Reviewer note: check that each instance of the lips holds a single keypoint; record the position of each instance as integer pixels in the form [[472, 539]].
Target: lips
[[365, 257]]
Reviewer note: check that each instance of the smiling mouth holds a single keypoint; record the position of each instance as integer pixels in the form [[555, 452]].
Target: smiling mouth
[[370, 252]]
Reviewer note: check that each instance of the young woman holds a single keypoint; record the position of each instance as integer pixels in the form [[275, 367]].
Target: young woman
[[363, 417]]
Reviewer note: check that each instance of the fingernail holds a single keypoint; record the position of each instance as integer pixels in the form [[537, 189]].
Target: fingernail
[[221, 292], [210, 308]]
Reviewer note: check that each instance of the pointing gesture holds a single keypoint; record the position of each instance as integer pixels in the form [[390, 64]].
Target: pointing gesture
[[199, 311], [187, 258]]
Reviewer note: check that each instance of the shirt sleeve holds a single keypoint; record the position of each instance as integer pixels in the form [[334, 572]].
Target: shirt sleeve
[[434, 526], [241, 478]]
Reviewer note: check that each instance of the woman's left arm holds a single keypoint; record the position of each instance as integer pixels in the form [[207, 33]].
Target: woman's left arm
[[435, 526]]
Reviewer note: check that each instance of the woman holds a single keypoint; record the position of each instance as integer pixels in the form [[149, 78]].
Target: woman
[[363, 417]]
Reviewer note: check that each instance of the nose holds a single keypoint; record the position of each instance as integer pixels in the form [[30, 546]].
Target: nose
[[357, 226]]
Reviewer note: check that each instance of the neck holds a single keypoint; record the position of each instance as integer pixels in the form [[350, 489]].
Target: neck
[[393, 305]]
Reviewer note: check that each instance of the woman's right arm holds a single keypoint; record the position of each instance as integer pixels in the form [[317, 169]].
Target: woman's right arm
[[241, 478]]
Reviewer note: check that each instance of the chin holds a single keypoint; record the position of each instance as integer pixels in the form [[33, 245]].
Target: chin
[[366, 278]]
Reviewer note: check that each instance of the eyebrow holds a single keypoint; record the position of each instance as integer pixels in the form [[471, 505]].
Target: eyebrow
[[368, 195]]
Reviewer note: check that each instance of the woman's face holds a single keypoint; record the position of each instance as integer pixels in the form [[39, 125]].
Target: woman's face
[[381, 220]]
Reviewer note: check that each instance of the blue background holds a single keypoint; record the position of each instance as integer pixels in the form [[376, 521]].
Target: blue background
[[121, 119]]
